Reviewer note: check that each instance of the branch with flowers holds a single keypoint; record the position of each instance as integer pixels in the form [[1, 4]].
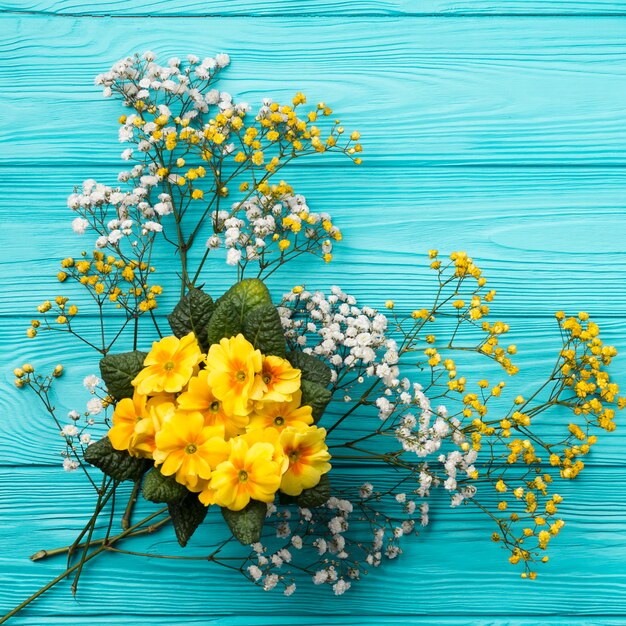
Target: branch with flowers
[[243, 408]]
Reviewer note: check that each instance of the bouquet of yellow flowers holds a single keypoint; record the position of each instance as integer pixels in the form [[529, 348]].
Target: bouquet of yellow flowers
[[236, 408], [232, 426]]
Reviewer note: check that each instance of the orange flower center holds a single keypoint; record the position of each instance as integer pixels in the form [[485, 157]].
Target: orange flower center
[[240, 376], [279, 420], [169, 365], [191, 448], [294, 456], [214, 407], [243, 476]]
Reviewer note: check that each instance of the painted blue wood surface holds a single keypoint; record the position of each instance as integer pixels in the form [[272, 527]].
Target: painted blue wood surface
[[503, 135]]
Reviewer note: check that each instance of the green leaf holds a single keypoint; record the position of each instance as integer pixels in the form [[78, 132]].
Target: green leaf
[[263, 329], [235, 306], [315, 496], [192, 314], [313, 369], [316, 396], [119, 370], [247, 524], [246, 295], [224, 322], [117, 464], [187, 514], [159, 488]]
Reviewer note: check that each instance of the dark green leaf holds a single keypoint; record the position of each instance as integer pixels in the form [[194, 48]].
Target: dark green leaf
[[159, 488], [263, 329], [315, 496], [117, 464], [119, 370], [316, 396], [187, 514], [313, 369], [247, 524], [246, 295], [224, 322], [192, 314]]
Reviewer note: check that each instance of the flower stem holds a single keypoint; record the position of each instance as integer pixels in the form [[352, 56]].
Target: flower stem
[[44, 554], [73, 568], [131, 504]]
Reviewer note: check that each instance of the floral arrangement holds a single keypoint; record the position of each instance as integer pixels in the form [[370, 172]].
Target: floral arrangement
[[246, 407]]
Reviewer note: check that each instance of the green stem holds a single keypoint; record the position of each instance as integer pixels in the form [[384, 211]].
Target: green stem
[[44, 554], [69, 570], [131, 504]]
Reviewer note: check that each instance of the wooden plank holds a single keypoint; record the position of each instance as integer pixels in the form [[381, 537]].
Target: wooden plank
[[264, 8], [529, 229], [300, 620], [450, 571], [29, 436], [420, 90]]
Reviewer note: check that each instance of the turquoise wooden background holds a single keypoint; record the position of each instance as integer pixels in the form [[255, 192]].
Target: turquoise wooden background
[[496, 126]]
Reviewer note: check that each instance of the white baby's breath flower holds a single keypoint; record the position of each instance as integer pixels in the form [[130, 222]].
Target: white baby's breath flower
[[91, 382], [69, 430], [94, 406], [69, 465]]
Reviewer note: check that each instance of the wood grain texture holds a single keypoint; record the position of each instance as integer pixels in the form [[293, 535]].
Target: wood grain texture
[[302, 8], [545, 238], [502, 135], [420, 90], [429, 580]]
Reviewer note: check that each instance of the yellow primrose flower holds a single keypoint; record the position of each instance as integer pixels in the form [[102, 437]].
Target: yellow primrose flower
[[169, 365], [232, 365], [280, 379], [189, 449], [308, 458], [271, 436], [281, 415], [249, 473], [127, 414], [160, 410], [200, 397]]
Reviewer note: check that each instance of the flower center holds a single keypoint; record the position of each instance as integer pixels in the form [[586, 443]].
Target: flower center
[[240, 376], [169, 365], [267, 378], [294, 456], [214, 407], [243, 476], [279, 420], [191, 448]]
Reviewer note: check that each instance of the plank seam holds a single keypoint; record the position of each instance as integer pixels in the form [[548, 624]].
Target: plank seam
[[284, 16]]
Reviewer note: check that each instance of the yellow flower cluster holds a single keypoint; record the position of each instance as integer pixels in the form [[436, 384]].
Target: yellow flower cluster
[[103, 275], [228, 425]]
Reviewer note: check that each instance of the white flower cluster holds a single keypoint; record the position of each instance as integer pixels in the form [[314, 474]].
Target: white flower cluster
[[257, 226], [355, 339], [136, 77], [117, 215], [177, 93], [340, 558], [337, 330], [75, 432]]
